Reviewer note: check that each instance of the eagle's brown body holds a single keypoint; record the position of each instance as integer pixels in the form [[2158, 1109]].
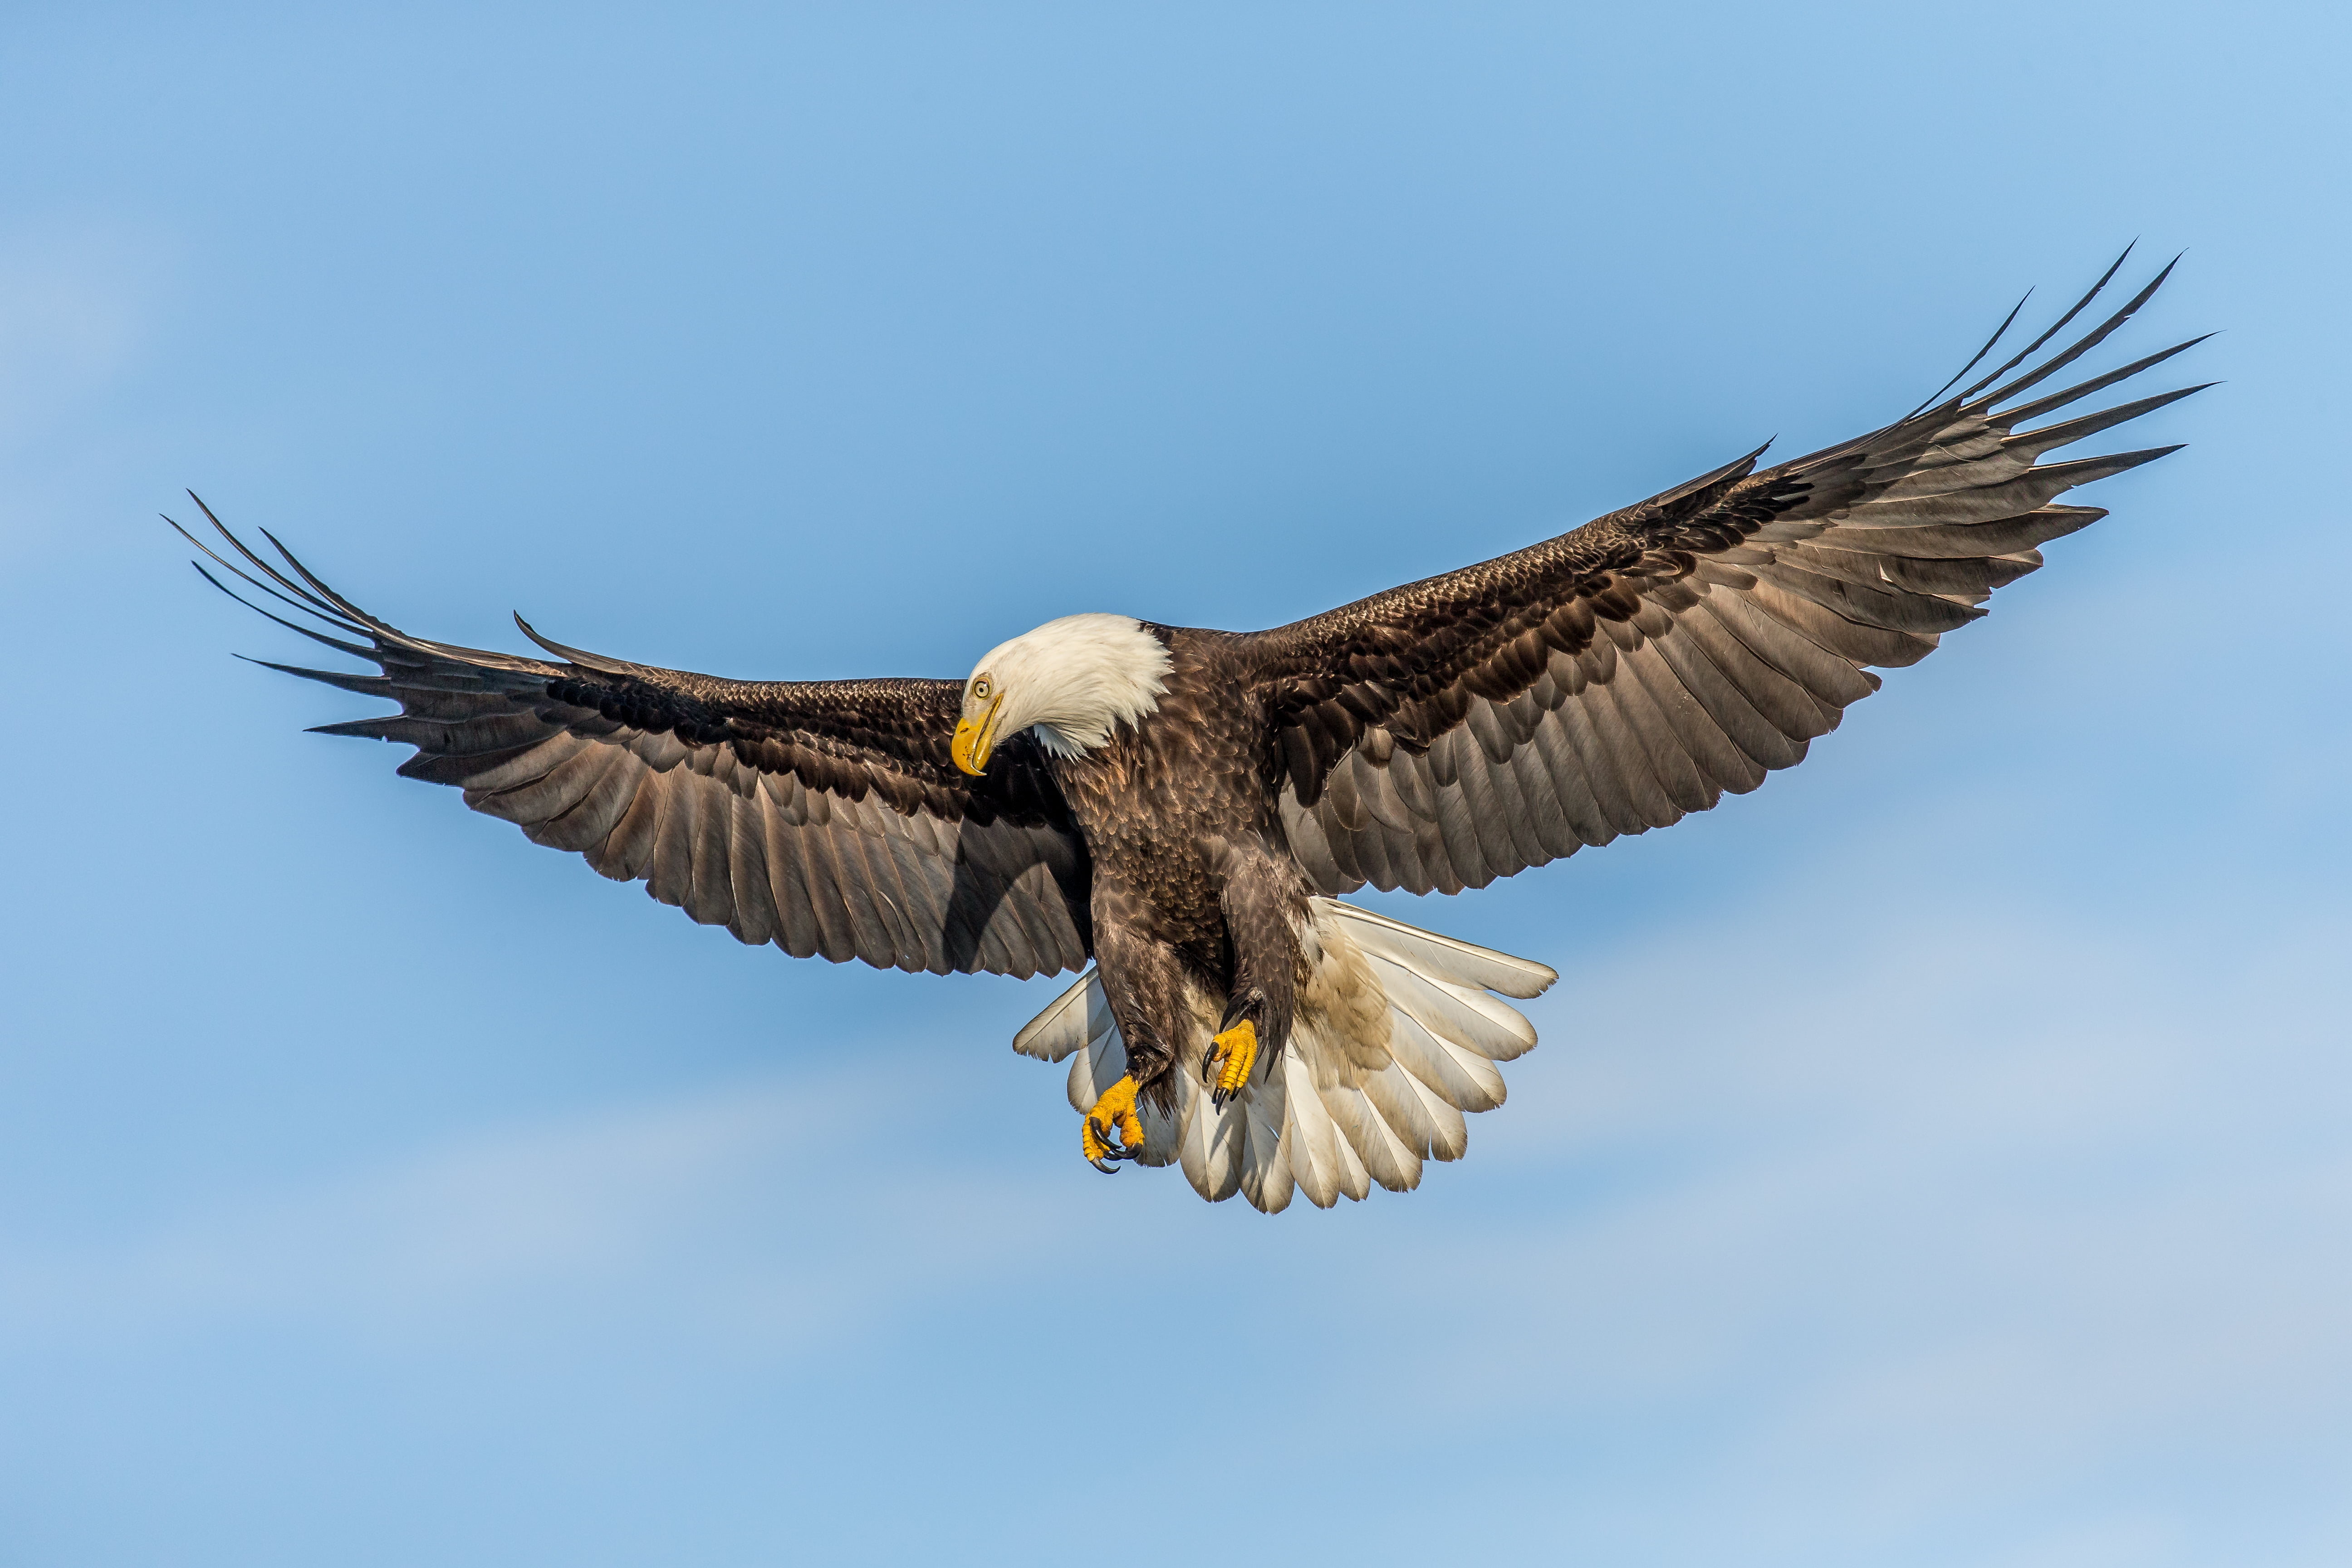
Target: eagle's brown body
[[1193, 879], [1431, 738]]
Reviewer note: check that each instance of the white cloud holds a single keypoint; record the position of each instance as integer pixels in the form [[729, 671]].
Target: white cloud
[[2003, 1220], [734, 1206], [1988, 1212]]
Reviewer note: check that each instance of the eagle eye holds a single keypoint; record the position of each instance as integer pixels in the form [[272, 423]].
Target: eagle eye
[[979, 688]]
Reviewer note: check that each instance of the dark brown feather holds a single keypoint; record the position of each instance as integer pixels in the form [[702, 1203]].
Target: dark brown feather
[[826, 816], [1676, 650]]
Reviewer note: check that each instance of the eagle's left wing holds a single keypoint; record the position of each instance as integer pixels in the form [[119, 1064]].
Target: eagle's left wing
[[826, 816], [1608, 682]]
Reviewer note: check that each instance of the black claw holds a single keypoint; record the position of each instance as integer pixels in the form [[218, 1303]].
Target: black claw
[[1115, 1146]]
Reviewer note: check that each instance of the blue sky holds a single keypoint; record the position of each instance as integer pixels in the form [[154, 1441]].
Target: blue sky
[[1937, 1157]]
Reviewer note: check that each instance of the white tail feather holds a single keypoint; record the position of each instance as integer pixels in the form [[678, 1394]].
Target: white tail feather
[[1396, 1036], [1442, 957], [1069, 1023]]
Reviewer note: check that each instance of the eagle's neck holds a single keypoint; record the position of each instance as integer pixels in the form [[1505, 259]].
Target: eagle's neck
[[1075, 681]]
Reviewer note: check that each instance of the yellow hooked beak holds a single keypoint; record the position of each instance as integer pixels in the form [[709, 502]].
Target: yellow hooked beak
[[974, 738]]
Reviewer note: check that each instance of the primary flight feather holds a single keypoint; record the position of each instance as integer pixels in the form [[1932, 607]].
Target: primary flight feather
[[1183, 807]]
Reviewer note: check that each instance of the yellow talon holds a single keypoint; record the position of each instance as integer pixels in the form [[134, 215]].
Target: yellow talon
[[1115, 1111], [1236, 1055]]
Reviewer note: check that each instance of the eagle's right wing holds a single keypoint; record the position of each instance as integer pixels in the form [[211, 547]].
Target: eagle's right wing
[[825, 816], [1608, 682]]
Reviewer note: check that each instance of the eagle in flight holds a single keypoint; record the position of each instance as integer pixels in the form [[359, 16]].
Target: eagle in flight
[[1184, 808]]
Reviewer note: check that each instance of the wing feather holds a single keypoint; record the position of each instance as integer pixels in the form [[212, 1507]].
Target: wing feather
[[823, 816], [1633, 671]]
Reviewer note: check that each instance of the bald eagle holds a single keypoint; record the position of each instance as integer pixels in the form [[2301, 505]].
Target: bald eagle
[[1184, 808]]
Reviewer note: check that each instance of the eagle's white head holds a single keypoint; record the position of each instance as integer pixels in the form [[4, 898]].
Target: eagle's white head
[[1074, 681]]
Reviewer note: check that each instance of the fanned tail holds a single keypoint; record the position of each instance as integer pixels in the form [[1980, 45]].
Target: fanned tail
[[1397, 1037]]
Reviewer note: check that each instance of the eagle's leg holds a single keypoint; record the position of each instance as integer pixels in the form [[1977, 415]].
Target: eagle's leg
[[1264, 903], [1112, 1131], [1143, 979]]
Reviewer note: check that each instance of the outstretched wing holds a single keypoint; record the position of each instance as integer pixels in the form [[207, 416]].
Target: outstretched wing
[[825, 816], [1464, 728]]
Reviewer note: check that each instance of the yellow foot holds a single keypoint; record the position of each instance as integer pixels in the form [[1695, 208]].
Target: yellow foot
[[1228, 1066], [1113, 1117]]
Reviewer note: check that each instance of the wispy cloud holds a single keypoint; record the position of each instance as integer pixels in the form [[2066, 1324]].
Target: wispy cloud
[[733, 1199], [1983, 1213]]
